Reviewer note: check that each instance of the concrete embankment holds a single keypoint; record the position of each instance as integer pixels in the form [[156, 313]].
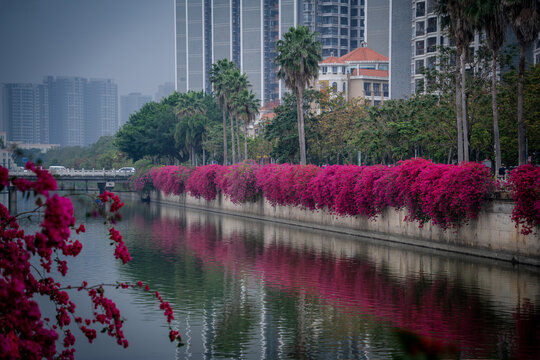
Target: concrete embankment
[[492, 235]]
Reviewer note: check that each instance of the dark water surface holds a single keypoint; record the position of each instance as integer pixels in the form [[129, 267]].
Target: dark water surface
[[248, 289]]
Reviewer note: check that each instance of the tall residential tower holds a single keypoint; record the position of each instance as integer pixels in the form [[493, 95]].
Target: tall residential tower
[[246, 32]]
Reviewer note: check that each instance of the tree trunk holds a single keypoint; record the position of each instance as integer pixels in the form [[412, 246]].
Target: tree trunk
[[495, 112], [458, 106], [521, 125], [224, 137], [232, 140], [238, 139], [301, 134], [464, 108], [245, 142]]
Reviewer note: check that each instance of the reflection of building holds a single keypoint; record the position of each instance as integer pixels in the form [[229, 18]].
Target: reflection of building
[[246, 31], [361, 73], [164, 90], [130, 104]]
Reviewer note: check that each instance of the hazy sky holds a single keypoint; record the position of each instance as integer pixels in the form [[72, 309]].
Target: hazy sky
[[130, 41]]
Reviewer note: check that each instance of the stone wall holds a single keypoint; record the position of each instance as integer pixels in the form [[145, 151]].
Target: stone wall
[[492, 235]]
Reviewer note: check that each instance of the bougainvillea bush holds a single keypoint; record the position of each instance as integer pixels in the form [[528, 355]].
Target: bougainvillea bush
[[170, 179], [27, 261], [239, 182], [445, 195], [202, 182], [525, 187]]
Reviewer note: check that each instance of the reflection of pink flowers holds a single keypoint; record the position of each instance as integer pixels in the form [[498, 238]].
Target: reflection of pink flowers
[[434, 307]]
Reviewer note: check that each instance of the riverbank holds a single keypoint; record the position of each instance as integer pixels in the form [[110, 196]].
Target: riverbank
[[492, 235]]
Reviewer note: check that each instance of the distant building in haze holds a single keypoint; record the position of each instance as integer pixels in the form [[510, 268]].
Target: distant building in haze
[[67, 109], [27, 113], [81, 110], [130, 104], [164, 90], [101, 109], [3, 110]]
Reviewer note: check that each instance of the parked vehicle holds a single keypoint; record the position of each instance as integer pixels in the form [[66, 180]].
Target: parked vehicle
[[126, 170], [57, 169]]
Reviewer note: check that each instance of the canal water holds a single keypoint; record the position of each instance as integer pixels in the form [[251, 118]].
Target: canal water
[[247, 289]]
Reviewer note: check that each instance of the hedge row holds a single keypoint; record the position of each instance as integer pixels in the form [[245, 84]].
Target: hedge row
[[447, 195]]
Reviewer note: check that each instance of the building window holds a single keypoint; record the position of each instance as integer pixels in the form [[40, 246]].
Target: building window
[[385, 90], [419, 66], [420, 28], [354, 12], [344, 42], [419, 86], [376, 89], [354, 44], [376, 102], [344, 31], [334, 69], [344, 87], [344, 21], [334, 86], [343, 69], [344, 10], [420, 47], [367, 89], [354, 22], [420, 9], [431, 44], [432, 25], [354, 33], [430, 63], [324, 69]]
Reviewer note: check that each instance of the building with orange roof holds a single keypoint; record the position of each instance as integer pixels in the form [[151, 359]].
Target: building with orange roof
[[362, 73]]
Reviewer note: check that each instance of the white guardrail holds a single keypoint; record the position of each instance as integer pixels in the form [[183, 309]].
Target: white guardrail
[[77, 173]]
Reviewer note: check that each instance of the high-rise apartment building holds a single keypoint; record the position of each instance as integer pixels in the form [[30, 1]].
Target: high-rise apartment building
[[246, 32], [101, 109], [3, 109], [81, 110], [27, 113], [67, 109], [130, 104], [388, 26]]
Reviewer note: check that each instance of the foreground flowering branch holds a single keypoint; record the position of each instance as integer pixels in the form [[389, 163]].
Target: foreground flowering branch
[[26, 262]]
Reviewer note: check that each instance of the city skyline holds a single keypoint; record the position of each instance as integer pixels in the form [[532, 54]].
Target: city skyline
[[129, 41]]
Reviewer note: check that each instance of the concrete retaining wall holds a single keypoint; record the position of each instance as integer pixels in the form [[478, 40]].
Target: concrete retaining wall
[[492, 235]]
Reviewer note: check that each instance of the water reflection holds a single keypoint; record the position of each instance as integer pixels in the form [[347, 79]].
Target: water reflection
[[252, 290], [249, 289]]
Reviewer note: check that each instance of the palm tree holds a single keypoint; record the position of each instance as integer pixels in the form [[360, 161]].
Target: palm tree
[[298, 56], [524, 17], [190, 128], [218, 79], [249, 107], [235, 83], [463, 31], [489, 15]]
